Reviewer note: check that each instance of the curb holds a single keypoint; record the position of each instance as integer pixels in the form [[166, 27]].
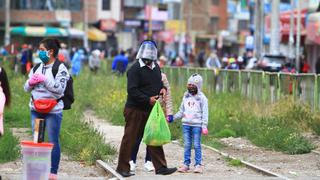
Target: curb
[[108, 168], [249, 165]]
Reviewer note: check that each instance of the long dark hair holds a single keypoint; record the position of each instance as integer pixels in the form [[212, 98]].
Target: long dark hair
[[52, 43], [5, 85]]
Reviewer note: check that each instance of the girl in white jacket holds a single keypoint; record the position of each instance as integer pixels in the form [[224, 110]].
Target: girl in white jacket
[[194, 113]]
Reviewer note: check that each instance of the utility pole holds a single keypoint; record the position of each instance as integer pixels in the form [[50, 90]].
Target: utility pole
[[275, 28], [291, 36], [190, 18], [258, 27], [150, 20], [180, 49], [298, 36], [85, 24], [7, 26]]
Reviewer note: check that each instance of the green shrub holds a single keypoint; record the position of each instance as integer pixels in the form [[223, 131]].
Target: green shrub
[[233, 162], [274, 134], [225, 133], [212, 142], [9, 147], [293, 113], [315, 124]]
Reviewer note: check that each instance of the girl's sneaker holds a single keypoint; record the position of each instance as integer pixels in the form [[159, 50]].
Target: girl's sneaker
[[53, 176], [198, 169], [132, 166], [184, 169], [148, 166]]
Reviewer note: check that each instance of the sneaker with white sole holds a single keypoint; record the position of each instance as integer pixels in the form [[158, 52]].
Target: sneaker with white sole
[[53, 176], [183, 169], [198, 169], [148, 166], [132, 166]]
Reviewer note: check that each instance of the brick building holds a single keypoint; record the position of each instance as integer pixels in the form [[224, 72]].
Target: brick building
[[104, 14], [205, 19]]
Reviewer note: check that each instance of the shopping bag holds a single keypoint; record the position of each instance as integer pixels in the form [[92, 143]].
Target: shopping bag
[[156, 131]]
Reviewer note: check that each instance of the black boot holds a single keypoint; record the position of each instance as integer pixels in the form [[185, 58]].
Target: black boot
[[166, 171]]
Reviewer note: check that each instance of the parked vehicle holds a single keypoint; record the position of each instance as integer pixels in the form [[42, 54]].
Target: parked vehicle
[[272, 63]]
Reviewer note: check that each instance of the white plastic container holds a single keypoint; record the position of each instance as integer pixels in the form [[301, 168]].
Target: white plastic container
[[36, 160]]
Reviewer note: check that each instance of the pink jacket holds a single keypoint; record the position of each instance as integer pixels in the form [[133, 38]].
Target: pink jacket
[[166, 103], [2, 103]]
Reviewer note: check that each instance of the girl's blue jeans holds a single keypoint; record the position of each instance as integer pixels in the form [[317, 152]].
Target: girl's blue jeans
[[53, 124], [192, 134]]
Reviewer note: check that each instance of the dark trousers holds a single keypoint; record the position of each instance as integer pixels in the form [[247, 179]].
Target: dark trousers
[[135, 123], [23, 69], [135, 152]]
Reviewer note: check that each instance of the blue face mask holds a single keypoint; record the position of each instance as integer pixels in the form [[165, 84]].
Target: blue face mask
[[43, 55]]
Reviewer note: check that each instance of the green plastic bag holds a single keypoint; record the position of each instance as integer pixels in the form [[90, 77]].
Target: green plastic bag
[[156, 131]]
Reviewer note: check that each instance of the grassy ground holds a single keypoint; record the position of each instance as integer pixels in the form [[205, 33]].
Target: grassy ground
[[277, 126]]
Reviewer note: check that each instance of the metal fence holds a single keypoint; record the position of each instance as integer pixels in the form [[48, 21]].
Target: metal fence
[[265, 87], [260, 86]]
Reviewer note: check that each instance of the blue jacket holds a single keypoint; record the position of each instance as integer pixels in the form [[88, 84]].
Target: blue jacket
[[120, 59]]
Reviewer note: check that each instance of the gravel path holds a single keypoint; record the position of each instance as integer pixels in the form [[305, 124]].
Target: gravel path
[[69, 170], [215, 167], [303, 166]]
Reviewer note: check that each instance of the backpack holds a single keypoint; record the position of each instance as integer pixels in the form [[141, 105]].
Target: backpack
[[68, 97]]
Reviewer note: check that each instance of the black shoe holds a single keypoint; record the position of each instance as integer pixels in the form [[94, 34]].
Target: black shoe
[[125, 174], [166, 171]]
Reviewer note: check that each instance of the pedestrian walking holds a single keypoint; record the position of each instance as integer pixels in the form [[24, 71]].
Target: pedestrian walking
[[76, 62], [143, 88], [5, 96], [166, 104], [94, 60], [120, 63]]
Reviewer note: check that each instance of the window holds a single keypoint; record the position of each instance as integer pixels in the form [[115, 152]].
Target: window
[[134, 3], [215, 2], [176, 11], [2, 4], [214, 25], [285, 1], [106, 5], [243, 24], [72, 5], [75, 5]]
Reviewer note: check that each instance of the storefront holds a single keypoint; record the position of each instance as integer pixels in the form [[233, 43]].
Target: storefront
[[285, 28], [313, 39]]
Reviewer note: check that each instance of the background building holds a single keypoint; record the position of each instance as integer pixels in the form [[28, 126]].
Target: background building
[[61, 15]]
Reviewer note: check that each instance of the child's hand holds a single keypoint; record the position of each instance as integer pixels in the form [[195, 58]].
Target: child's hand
[[204, 131], [170, 118]]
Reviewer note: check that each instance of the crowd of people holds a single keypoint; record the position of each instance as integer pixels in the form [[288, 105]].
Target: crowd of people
[[75, 57], [49, 80], [52, 66]]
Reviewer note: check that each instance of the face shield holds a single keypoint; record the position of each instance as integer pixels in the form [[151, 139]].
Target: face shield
[[147, 50]]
